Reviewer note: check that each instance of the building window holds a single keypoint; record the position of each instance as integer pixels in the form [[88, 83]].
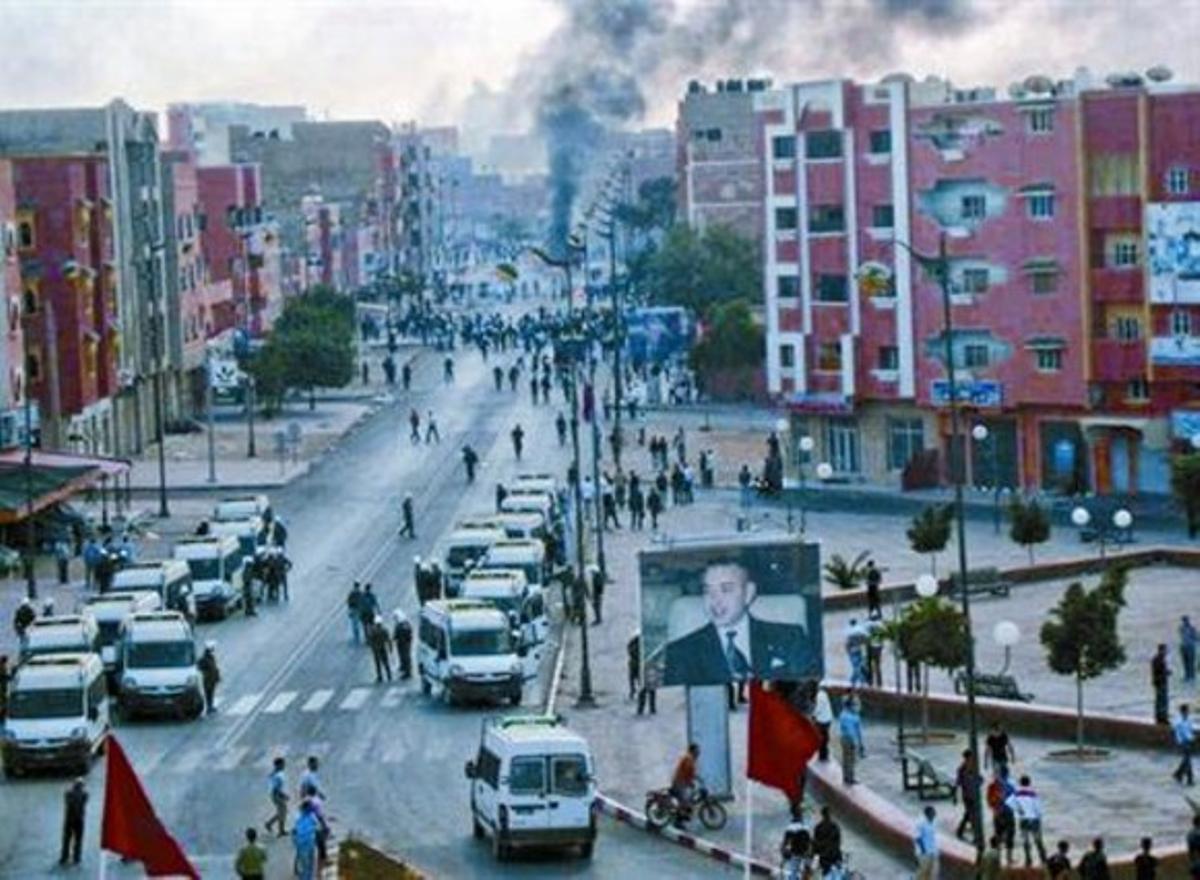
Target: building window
[[842, 444], [826, 218], [1041, 206], [823, 145], [832, 289], [883, 217], [783, 146], [889, 357], [1178, 181], [30, 299], [1137, 390], [787, 356], [1044, 282], [785, 219], [1181, 323], [906, 437], [973, 207], [829, 357], [33, 366], [881, 142], [975, 355], [26, 239], [1049, 360], [1127, 328], [975, 280], [787, 286], [1041, 121], [1123, 253]]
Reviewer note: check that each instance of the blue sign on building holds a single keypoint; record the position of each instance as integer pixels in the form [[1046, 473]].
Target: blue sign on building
[[975, 392]]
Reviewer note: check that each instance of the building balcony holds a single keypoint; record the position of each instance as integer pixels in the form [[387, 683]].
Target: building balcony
[[1115, 212], [1117, 285], [1115, 360]]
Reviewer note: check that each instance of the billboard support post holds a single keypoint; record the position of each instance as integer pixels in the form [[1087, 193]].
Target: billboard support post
[[708, 727]]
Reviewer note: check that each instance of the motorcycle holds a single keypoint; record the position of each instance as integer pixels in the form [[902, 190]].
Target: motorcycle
[[664, 808]]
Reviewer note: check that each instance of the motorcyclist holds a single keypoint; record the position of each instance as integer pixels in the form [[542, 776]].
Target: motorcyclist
[[683, 782], [795, 849]]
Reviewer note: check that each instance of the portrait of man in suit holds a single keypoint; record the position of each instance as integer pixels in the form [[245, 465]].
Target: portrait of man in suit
[[732, 643]]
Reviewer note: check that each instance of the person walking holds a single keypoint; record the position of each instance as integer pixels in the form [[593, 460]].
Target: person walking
[[608, 501], [850, 728], [1094, 864], [277, 790], [596, 578], [1004, 823], [998, 750], [1058, 866], [406, 376], [1027, 808], [498, 377], [74, 811], [470, 459], [827, 842], [380, 642], [407, 529], [310, 779], [744, 478], [251, 860], [654, 505], [1187, 648], [967, 780], [1185, 737], [402, 635], [62, 558], [633, 663], [23, 618], [926, 847], [210, 675], [304, 840], [647, 694], [637, 507], [368, 607], [560, 425], [518, 440], [1145, 864], [354, 612], [1160, 675], [874, 579], [823, 718], [414, 423], [431, 429]]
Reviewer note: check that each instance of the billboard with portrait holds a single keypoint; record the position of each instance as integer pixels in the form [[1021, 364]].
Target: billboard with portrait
[[1173, 258], [718, 611]]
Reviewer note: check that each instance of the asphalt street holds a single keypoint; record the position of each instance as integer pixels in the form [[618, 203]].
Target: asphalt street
[[294, 685]]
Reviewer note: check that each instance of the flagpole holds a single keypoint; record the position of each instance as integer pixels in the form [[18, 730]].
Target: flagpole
[[102, 872], [746, 844]]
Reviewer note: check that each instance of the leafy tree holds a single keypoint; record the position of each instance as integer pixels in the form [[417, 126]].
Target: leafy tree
[[846, 575], [654, 208], [931, 632], [1081, 638], [732, 343], [1185, 483], [698, 270], [930, 532], [1030, 524]]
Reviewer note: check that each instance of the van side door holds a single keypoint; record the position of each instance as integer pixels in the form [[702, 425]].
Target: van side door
[[570, 792], [525, 786]]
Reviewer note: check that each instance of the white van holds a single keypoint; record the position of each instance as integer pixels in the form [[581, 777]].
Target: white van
[[541, 503], [57, 713], [249, 531], [156, 666], [61, 634], [537, 482], [241, 507], [528, 555], [520, 525], [508, 590], [170, 578], [216, 567], [463, 549], [533, 784], [468, 650], [109, 610]]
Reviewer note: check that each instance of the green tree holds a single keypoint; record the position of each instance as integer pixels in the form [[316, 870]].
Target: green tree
[[698, 270], [733, 345], [1030, 524], [846, 574], [929, 532], [931, 632], [1081, 637], [655, 206], [1185, 483]]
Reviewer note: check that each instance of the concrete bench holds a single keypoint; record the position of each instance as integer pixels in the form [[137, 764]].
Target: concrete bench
[[919, 775], [1000, 687], [982, 581]]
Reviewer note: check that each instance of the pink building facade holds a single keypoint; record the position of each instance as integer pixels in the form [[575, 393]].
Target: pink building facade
[[856, 175], [12, 355]]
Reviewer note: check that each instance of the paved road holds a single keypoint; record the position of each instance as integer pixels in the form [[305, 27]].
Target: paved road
[[293, 684]]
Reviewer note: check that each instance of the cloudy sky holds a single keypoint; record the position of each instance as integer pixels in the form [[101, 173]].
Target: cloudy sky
[[421, 59]]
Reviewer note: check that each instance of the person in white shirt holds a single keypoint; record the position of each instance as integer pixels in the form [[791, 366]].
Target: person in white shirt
[[1185, 736], [1027, 809], [926, 847], [823, 717]]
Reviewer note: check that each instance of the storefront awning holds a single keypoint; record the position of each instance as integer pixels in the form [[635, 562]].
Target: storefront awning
[[52, 477]]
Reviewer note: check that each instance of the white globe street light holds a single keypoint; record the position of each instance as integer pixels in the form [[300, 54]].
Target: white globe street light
[[927, 586], [781, 426], [1006, 634], [980, 433], [1080, 516], [807, 443], [1122, 519], [824, 471]]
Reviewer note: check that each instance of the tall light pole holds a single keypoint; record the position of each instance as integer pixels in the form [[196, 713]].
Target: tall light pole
[[152, 254], [980, 434], [30, 540], [586, 698]]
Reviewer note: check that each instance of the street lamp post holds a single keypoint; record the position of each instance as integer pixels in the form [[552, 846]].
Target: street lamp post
[[1006, 634], [585, 672], [980, 433], [805, 445], [782, 429], [30, 541]]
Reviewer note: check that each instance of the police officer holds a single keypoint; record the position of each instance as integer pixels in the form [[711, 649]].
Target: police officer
[[74, 809], [402, 635], [210, 675]]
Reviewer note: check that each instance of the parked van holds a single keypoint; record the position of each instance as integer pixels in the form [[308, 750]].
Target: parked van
[[57, 713], [468, 650], [216, 566], [464, 547], [156, 665], [508, 590], [61, 634], [241, 507], [540, 503], [529, 556], [521, 525], [537, 482], [109, 610], [533, 784], [170, 578], [250, 532]]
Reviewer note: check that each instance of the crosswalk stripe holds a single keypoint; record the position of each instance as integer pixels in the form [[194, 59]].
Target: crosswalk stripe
[[396, 748], [279, 750], [392, 698], [189, 761], [356, 699], [279, 704], [356, 751], [231, 757], [318, 700], [243, 705]]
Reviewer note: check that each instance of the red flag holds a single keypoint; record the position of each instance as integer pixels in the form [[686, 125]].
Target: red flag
[[130, 827], [782, 740]]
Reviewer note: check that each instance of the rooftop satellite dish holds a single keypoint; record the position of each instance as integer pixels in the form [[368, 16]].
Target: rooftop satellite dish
[[1038, 84], [1159, 73], [1125, 80]]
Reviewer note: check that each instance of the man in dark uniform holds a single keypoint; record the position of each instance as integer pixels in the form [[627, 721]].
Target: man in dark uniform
[[74, 809]]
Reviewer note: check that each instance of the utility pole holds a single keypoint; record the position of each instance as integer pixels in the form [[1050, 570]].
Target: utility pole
[[586, 698], [30, 543]]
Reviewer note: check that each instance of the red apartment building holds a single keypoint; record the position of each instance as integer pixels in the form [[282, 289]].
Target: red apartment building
[[64, 245], [12, 370], [1042, 199]]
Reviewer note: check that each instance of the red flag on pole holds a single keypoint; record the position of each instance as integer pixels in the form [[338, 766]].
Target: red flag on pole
[[131, 829], [782, 740]]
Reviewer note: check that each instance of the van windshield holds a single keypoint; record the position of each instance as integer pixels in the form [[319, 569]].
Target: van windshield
[[205, 569], [56, 645], [160, 655], [109, 630], [480, 642], [459, 556], [568, 775], [50, 703], [504, 603]]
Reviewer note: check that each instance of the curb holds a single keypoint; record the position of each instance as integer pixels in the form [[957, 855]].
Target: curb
[[614, 810]]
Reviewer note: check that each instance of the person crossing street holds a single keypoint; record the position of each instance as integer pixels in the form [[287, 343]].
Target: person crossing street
[[407, 528], [431, 429], [381, 643], [402, 635], [414, 423], [210, 675], [74, 810], [518, 440], [277, 790]]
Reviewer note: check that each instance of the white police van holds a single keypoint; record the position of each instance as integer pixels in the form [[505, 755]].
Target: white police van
[[525, 555], [61, 633], [241, 506], [533, 784], [156, 666], [469, 650], [170, 578], [217, 572], [109, 610], [57, 713], [463, 549], [525, 605]]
